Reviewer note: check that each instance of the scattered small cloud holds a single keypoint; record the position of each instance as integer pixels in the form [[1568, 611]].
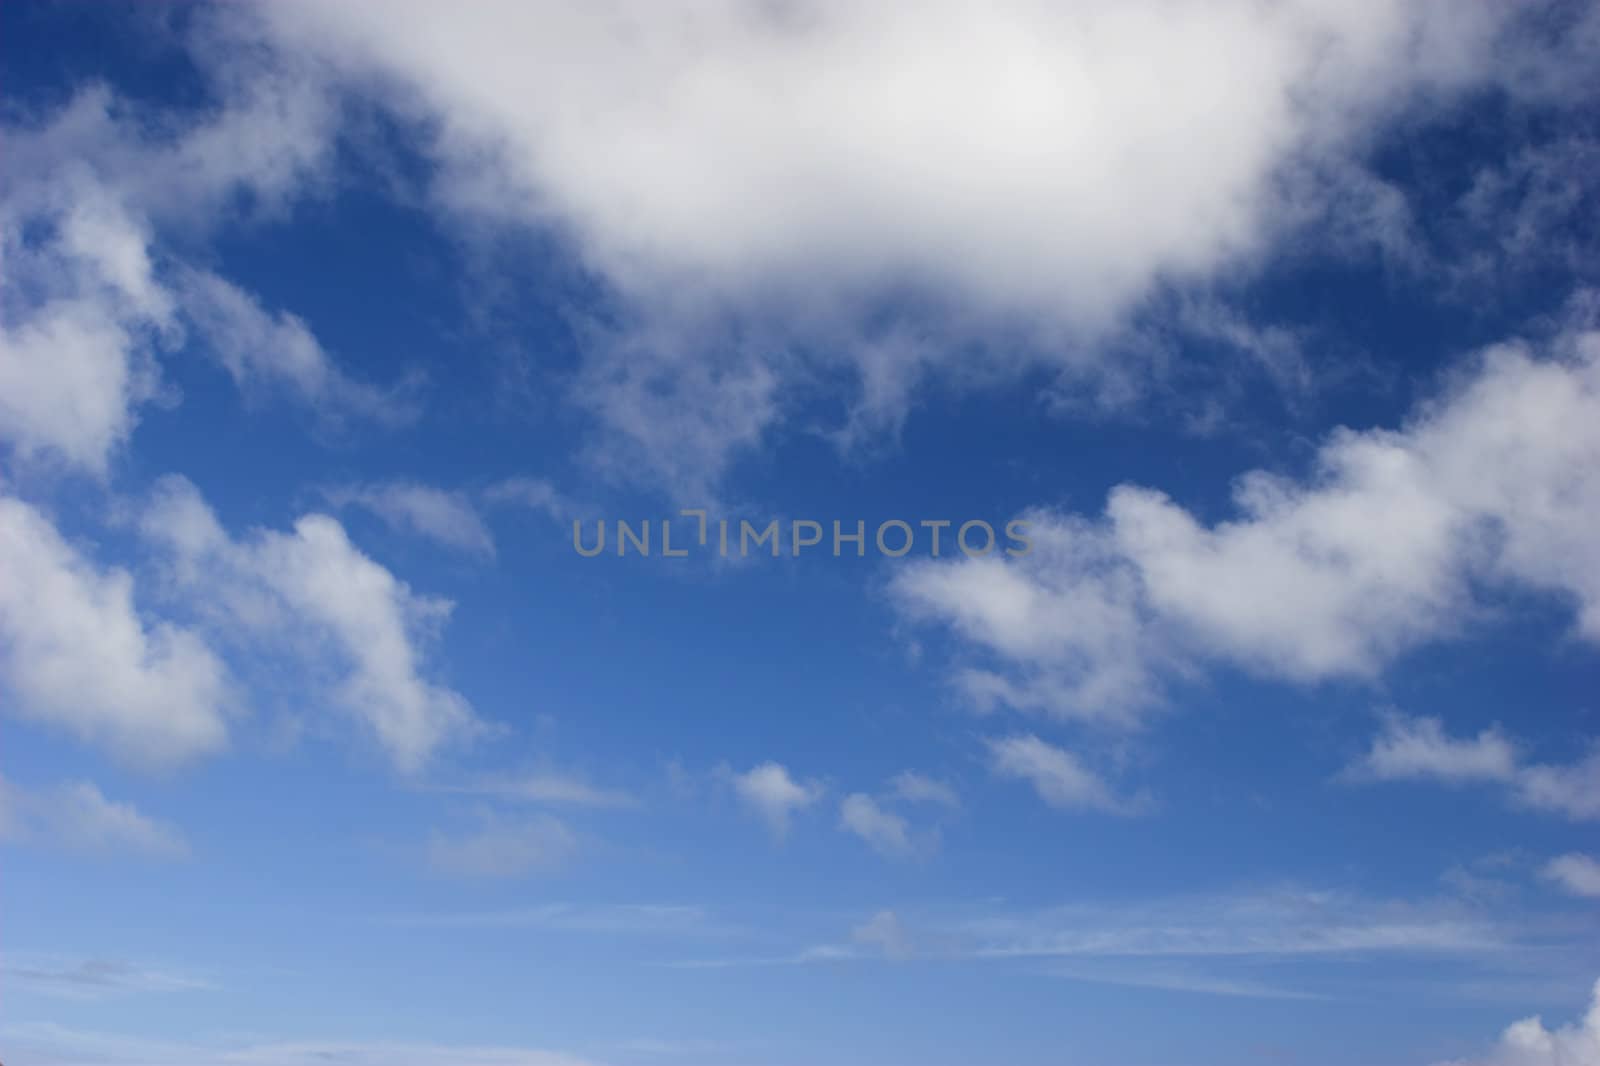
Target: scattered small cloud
[[1575, 873], [772, 793]]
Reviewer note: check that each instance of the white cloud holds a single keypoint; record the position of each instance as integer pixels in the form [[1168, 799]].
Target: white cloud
[[83, 317], [886, 832], [1419, 749], [750, 212], [1529, 1043], [1223, 943], [1058, 776], [772, 793], [76, 653], [1578, 874], [504, 847], [1283, 923], [884, 932], [1572, 789], [913, 787], [93, 295], [265, 351], [445, 517], [534, 493], [605, 919], [547, 786], [314, 594], [76, 816], [1397, 538]]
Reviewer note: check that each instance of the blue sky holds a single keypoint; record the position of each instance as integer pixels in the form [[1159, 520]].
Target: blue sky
[[1276, 326]]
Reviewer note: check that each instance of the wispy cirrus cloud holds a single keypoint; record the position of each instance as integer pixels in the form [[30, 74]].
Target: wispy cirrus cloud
[[94, 978], [447, 518], [76, 816]]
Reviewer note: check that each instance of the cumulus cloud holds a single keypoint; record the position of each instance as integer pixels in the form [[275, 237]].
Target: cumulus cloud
[[772, 793], [78, 654], [1578, 874], [886, 832], [1396, 538], [94, 292], [1529, 1043], [1418, 749], [913, 787], [755, 181], [83, 318], [447, 518], [1057, 775], [76, 816], [311, 593]]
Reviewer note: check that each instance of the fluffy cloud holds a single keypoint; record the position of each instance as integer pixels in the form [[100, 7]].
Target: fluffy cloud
[[312, 593], [753, 180], [1395, 539], [1418, 749], [93, 294], [913, 787], [83, 315], [77, 653], [770, 791], [1578, 874], [1058, 776], [1529, 1043], [445, 517], [886, 832], [76, 816]]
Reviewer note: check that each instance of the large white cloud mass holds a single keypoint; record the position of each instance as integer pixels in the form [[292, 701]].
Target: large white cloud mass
[[752, 180]]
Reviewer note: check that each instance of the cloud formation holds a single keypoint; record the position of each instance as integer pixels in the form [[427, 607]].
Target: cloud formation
[[771, 792], [77, 653], [1057, 775], [448, 518], [1397, 538], [751, 217], [346, 620], [1529, 1043], [93, 196], [76, 816], [1418, 749], [1577, 874]]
